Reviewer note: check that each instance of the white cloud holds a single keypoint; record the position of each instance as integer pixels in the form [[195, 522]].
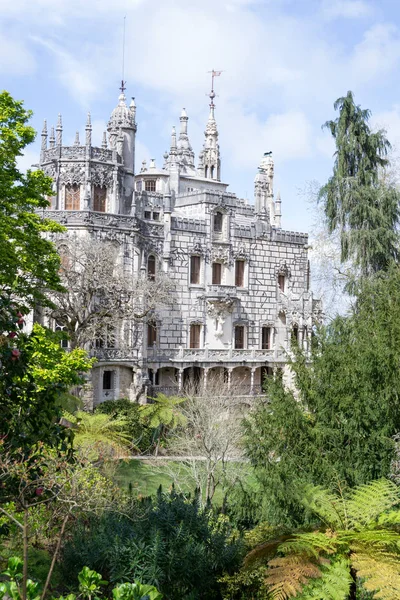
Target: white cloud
[[346, 9], [377, 54], [16, 58]]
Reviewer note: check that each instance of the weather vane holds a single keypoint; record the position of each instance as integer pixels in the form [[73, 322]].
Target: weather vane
[[214, 73], [123, 82]]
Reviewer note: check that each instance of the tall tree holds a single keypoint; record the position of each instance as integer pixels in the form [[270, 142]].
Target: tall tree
[[29, 263], [339, 426], [358, 202]]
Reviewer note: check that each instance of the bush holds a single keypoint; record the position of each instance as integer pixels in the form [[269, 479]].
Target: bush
[[143, 437], [175, 546]]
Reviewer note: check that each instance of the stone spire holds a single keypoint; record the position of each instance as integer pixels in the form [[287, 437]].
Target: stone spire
[[104, 141], [278, 211], [264, 189], [173, 151], [185, 151], [210, 160], [59, 130], [88, 130], [52, 139], [77, 142], [44, 140]]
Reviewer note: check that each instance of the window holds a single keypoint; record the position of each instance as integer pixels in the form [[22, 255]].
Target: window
[[265, 372], [147, 214], [281, 282], [156, 216], [239, 273], [266, 335], [63, 340], [154, 377], [151, 267], [212, 172], [151, 334], [108, 380], [239, 337], [99, 198], [216, 273], [72, 197], [194, 341], [217, 222], [195, 269], [206, 172], [295, 334], [150, 185]]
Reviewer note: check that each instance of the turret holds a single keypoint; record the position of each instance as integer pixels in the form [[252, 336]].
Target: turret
[[59, 131], [185, 151], [209, 159], [123, 120]]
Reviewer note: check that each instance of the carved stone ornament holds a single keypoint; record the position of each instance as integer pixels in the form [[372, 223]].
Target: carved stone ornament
[[197, 248], [72, 173], [101, 175], [283, 269], [220, 254], [219, 310], [240, 253]]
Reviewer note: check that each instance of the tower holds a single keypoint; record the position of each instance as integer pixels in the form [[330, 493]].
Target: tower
[[209, 158], [185, 151], [264, 189]]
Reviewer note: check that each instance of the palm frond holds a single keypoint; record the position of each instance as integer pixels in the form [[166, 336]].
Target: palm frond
[[367, 502], [380, 576], [287, 575]]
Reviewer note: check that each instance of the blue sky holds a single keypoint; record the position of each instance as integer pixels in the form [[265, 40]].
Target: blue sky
[[284, 62]]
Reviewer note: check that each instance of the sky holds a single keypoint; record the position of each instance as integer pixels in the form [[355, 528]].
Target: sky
[[284, 64]]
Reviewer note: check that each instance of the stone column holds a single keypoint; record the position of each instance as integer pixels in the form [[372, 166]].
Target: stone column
[[252, 373], [205, 375], [229, 378], [180, 373]]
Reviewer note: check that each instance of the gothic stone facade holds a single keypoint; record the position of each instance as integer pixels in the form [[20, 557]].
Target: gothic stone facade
[[242, 282]]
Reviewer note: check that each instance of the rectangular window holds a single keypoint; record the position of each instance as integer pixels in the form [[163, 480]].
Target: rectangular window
[[99, 198], [151, 267], [239, 273], [107, 380], [147, 214], [72, 197], [266, 338], [194, 341], [281, 282], [239, 337], [216, 273], [151, 334], [217, 222], [156, 216], [195, 269], [150, 185]]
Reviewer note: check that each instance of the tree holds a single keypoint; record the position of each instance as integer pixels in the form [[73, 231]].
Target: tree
[[29, 263], [340, 423], [100, 296], [357, 543], [358, 203], [211, 437], [163, 414]]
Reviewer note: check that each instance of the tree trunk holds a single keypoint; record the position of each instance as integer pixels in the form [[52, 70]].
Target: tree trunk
[[25, 554], [53, 561], [353, 586]]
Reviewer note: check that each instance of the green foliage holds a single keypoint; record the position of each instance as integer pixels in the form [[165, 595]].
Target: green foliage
[[358, 203], [136, 591], [29, 263], [325, 564], [168, 542], [90, 583], [338, 429], [141, 434], [164, 411], [31, 385]]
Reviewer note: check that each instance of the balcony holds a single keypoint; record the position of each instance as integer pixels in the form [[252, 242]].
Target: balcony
[[117, 354], [208, 355]]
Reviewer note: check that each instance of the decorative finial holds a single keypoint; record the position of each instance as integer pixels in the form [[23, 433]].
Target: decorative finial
[[88, 130], [52, 139], [59, 130], [212, 93], [77, 142], [44, 140], [104, 141], [173, 138], [44, 130]]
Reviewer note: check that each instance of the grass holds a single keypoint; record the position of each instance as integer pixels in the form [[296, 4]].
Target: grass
[[146, 476]]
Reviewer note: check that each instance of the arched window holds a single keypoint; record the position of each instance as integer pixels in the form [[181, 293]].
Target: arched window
[[205, 171], [218, 217], [72, 197], [151, 334], [212, 172], [99, 198], [151, 267]]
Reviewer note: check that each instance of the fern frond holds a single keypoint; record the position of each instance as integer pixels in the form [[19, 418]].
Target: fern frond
[[390, 518], [334, 583], [369, 501], [327, 506], [372, 541], [380, 576], [309, 544], [265, 550], [287, 575]]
